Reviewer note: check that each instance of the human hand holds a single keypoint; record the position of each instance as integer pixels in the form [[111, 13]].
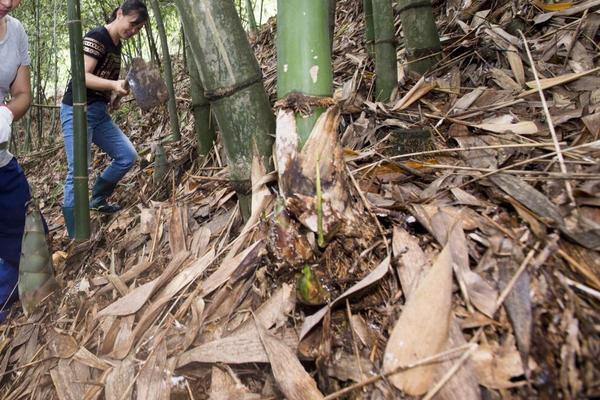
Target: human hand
[[6, 118], [120, 88]]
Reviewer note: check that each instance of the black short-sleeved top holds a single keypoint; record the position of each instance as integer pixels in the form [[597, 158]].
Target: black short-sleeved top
[[98, 44]]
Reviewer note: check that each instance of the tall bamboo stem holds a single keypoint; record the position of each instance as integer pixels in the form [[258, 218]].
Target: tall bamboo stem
[[204, 126], [82, 211], [386, 69], [421, 38], [304, 55], [369, 30], [168, 72], [251, 19], [233, 84]]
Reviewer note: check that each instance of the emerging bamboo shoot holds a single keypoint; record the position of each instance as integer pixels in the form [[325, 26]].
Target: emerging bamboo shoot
[[36, 275]]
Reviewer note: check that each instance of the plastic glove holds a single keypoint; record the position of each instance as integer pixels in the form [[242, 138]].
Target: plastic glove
[[6, 118]]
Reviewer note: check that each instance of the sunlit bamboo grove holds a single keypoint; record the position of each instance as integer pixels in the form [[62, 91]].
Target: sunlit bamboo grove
[[209, 41]]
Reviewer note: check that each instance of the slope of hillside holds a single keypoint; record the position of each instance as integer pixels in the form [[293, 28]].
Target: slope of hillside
[[465, 266]]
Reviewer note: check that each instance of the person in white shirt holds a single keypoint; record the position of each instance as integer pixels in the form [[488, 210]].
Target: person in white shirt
[[14, 189]]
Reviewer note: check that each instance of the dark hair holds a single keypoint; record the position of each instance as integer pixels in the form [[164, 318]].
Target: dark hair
[[131, 7]]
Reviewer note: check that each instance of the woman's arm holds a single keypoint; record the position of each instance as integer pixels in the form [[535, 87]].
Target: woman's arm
[[20, 93], [94, 82]]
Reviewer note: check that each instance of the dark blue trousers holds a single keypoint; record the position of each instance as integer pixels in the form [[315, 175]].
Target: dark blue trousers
[[14, 195]]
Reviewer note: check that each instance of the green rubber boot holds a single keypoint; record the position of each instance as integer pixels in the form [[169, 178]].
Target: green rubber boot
[[100, 192]]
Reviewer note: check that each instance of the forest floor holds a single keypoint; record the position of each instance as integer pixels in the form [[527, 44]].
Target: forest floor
[[467, 264]]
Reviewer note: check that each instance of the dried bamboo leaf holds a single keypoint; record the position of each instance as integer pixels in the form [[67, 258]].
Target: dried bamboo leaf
[[343, 366], [61, 346], [410, 94], [516, 64], [245, 259], [177, 234], [147, 221], [586, 262], [130, 303], [592, 123], [467, 100], [133, 301], [120, 347], [468, 199], [153, 382], [193, 328], [579, 228], [478, 291], [415, 95], [119, 381], [518, 128], [412, 259], [503, 80], [463, 385], [242, 348], [200, 241], [85, 357], [127, 276], [496, 367], [518, 302], [273, 312], [551, 82], [180, 281], [67, 378], [528, 196], [422, 329], [224, 385], [476, 158], [295, 383], [379, 272]]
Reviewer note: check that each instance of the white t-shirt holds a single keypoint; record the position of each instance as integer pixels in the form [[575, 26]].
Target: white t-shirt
[[14, 53]]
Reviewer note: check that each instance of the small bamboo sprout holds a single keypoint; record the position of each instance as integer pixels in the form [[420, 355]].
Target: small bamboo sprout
[[36, 275], [309, 290], [160, 164]]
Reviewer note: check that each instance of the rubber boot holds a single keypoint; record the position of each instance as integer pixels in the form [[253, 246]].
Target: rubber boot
[[69, 216], [100, 192]]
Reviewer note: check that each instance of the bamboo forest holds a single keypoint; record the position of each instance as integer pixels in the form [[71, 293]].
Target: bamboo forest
[[299, 199]]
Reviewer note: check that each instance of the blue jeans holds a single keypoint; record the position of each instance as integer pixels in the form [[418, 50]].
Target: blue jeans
[[104, 133]]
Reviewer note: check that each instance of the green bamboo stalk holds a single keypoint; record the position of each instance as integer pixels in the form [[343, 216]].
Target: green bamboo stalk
[[185, 47], [386, 70], [168, 72], [421, 38], [204, 126], [304, 55], [82, 211], [152, 44], [332, 4], [251, 19], [38, 75], [369, 29], [233, 84]]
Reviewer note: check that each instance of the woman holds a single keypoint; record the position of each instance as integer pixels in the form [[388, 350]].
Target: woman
[[102, 61], [14, 189]]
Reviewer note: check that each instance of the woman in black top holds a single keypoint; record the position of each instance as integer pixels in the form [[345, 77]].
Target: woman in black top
[[102, 59]]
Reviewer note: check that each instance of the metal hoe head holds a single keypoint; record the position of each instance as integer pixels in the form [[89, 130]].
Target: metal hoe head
[[146, 84]]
